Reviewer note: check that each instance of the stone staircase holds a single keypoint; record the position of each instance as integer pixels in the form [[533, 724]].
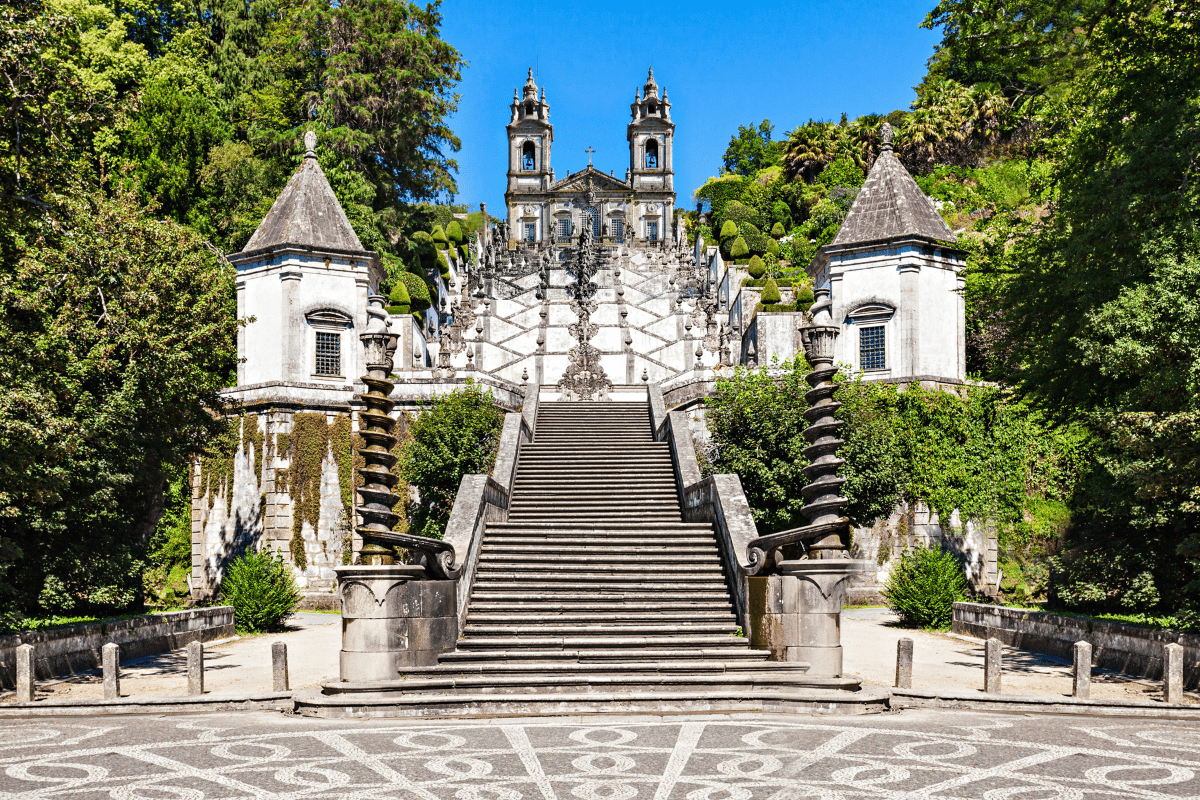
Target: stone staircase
[[595, 562], [595, 596]]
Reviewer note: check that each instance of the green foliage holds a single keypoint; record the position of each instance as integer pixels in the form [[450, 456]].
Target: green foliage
[[399, 294], [923, 587], [418, 290], [118, 330], [169, 554], [770, 294], [439, 237], [457, 435], [262, 591], [729, 230], [777, 230], [805, 297], [757, 270], [843, 172], [739, 249], [752, 149], [312, 443], [454, 232]]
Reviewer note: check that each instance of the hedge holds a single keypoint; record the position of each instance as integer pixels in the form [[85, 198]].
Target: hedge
[[454, 232], [739, 249], [418, 291], [757, 268], [770, 295], [728, 230]]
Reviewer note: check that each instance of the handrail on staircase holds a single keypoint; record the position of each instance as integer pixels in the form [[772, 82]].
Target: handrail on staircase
[[717, 499]]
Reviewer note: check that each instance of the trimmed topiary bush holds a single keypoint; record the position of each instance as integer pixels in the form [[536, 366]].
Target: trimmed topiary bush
[[777, 230], [439, 237], [401, 303], [454, 232], [443, 265], [757, 268], [770, 294], [739, 249], [728, 230], [923, 588], [805, 298], [418, 291], [262, 590]]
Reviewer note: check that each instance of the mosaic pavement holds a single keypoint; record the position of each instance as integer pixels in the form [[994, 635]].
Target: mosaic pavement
[[913, 755]]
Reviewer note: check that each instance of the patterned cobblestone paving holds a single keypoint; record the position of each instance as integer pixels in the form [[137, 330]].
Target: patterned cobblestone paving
[[911, 755]]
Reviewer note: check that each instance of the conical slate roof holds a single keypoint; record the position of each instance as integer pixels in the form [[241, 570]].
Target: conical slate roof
[[891, 205], [306, 213]]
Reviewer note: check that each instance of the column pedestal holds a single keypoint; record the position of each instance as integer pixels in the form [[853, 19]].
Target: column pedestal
[[797, 614], [393, 620]]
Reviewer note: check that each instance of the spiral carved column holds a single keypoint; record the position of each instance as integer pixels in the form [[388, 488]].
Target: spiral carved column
[[823, 504], [376, 425]]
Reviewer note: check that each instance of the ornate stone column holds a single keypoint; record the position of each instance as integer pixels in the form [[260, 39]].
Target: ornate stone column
[[796, 608], [391, 617], [824, 574]]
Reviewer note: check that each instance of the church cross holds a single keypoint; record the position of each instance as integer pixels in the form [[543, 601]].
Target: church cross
[[589, 151]]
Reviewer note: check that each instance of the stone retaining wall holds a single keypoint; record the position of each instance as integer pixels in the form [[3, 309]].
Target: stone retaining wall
[[1123, 648], [64, 651]]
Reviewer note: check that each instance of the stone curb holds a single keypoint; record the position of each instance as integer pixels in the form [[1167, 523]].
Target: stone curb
[[910, 698], [273, 701]]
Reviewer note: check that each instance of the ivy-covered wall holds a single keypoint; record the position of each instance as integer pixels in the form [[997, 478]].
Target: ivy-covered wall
[[228, 500]]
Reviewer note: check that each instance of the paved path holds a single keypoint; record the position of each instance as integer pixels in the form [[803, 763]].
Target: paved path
[[923, 754], [945, 663], [237, 666]]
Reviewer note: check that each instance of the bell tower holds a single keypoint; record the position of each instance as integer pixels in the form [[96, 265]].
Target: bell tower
[[651, 135], [530, 136]]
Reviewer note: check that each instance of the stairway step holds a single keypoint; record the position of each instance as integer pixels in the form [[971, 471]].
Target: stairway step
[[528, 597], [647, 560], [666, 642], [531, 656], [596, 629], [649, 617]]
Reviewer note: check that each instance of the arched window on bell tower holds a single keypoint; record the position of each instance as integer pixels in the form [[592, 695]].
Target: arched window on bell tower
[[528, 157], [652, 154]]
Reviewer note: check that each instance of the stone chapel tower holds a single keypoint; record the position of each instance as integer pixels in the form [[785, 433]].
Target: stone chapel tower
[[651, 135], [530, 135]]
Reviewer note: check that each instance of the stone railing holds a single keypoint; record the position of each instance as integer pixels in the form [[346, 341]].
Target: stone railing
[[1130, 649], [75, 648], [718, 499]]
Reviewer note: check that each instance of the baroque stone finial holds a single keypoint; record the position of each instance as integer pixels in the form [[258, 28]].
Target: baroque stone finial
[[310, 144], [885, 136]]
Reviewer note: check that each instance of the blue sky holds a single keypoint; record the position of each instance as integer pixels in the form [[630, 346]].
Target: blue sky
[[723, 64]]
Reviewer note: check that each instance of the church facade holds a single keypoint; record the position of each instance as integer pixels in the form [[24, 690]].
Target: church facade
[[544, 210]]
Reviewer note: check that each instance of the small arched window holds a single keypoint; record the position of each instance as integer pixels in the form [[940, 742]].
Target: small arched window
[[528, 157], [651, 154]]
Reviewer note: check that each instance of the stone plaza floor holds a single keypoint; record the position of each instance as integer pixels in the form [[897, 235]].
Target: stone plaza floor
[[925, 754]]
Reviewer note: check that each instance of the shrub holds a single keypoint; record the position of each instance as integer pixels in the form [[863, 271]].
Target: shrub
[[924, 586], [457, 436], [757, 267], [739, 249], [401, 303], [418, 291], [438, 235], [777, 230], [454, 232], [261, 589], [425, 250], [805, 297], [443, 265], [770, 294], [728, 230]]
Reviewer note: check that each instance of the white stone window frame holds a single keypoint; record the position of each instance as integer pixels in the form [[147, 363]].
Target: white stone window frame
[[873, 314], [328, 320]]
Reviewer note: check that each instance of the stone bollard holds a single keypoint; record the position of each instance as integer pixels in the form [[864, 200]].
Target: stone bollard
[[992, 654], [1082, 687], [904, 656], [1173, 673], [25, 673], [110, 660], [195, 667], [279, 670]]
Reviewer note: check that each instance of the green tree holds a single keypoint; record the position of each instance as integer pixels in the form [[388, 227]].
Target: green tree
[[751, 149], [457, 435], [105, 387]]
